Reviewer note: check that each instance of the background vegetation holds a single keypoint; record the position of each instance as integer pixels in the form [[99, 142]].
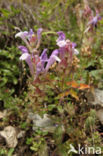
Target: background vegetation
[[73, 118]]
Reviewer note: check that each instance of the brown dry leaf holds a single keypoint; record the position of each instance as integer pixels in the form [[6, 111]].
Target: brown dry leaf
[[70, 92], [74, 94], [10, 135], [62, 95]]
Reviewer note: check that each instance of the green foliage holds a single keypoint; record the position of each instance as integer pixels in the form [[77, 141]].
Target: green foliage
[[29, 141], [96, 139], [4, 151], [9, 70], [36, 145], [37, 142], [10, 152], [90, 121], [10, 73]]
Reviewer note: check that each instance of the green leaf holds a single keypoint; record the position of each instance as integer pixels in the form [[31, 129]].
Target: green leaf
[[10, 151]]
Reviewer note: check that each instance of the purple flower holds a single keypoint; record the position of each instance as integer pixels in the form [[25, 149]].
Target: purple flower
[[62, 51], [53, 58], [27, 57], [40, 65], [75, 51], [39, 31], [61, 42], [74, 45], [65, 45], [21, 34], [39, 68], [30, 34], [61, 36], [25, 35], [95, 20], [43, 56], [29, 38], [23, 49], [70, 48], [93, 23]]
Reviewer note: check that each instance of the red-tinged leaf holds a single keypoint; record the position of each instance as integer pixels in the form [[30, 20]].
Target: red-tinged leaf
[[47, 78], [64, 62], [80, 86], [83, 86], [37, 80], [73, 84], [38, 91], [6, 90]]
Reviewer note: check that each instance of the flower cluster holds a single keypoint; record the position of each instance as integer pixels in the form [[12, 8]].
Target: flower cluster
[[93, 20], [41, 63]]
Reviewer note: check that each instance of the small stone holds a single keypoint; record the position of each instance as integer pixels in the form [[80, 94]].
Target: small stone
[[43, 123], [95, 98], [10, 135], [20, 134], [99, 114]]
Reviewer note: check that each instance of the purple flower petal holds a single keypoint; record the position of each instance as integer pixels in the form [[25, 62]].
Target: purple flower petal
[[23, 49], [52, 59], [61, 43], [61, 36], [74, 45], [27, 57], [39, 68], [22, 34], [44, 55], [39, 31], [75, 51], [41, 63], [62, 52], [55, 52], [24, 56], [30, 34], [25, 35], [95, 20], [99, 18], [30, 64]]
